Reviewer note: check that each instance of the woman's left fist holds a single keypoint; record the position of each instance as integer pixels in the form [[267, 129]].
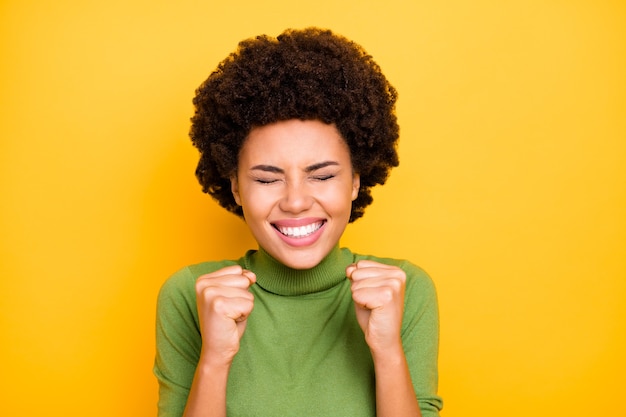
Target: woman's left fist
[[378, 294]]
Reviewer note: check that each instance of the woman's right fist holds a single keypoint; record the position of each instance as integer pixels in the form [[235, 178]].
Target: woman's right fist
[[224, 303]]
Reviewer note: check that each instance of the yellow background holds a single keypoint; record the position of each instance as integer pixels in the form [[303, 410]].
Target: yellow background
[[511, 191]]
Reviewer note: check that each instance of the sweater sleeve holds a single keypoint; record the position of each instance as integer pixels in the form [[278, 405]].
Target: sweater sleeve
[[420, 338], [178, 337], [178, 342], [420, 333]]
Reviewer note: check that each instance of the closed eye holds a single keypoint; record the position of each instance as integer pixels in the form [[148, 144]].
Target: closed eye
[[323, 177], [265, 180]]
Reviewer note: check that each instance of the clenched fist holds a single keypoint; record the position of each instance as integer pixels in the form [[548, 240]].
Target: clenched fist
[[224, 303], [378, 294]]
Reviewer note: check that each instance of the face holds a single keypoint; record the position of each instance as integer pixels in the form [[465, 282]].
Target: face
[[296, 186]]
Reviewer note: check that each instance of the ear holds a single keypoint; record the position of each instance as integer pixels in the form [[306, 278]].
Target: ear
[[234, 188], [356, 185]]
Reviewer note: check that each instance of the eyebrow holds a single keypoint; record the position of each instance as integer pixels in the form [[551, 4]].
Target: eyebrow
[[310, 168]]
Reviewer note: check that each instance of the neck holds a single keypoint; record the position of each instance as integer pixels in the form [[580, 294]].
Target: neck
[[279, 279]]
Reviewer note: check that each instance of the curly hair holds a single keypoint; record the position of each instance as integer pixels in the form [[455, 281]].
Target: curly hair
[[309, 74]]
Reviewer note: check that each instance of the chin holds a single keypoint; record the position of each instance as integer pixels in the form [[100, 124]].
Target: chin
[[301, 261]]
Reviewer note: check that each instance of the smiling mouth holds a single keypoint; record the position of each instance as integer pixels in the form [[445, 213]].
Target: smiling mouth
[[299, 232]]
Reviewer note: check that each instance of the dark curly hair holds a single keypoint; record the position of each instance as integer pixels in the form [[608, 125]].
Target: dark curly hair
[[309, 74]]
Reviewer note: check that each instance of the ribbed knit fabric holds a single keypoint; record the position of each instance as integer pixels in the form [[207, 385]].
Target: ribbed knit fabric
[[303, 352], [279, 279]]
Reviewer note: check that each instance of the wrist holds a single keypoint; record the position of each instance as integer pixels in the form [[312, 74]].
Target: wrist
[[214, 363], [388, 356]]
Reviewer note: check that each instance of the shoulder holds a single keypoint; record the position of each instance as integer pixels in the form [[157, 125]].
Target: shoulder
[[420, 291], [415, 275], [181, 284]]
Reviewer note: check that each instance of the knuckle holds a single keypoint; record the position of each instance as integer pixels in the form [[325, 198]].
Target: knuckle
[[396, 284], [210, 295], [219, 303], [387, 294]]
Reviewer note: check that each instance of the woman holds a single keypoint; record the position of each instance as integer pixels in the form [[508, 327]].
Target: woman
[[293, 132]]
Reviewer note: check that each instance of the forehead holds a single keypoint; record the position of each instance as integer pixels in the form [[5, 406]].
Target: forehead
[[294, 142]]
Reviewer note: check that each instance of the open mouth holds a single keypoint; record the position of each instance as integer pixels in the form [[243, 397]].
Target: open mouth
[[301, 231]]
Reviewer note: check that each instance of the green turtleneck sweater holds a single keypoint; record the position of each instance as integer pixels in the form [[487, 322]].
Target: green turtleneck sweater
[[303, 352]]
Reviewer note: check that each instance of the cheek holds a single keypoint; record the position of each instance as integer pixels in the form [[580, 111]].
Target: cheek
[[339, 200], [256, 201]]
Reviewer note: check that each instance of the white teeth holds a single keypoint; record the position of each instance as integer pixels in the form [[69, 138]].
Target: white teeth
[[302, 231]]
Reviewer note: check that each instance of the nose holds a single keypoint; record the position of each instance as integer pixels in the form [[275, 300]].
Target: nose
[[296, 198]]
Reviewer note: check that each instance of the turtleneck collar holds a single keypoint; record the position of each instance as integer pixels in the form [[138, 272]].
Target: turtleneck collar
[[279, 279]]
